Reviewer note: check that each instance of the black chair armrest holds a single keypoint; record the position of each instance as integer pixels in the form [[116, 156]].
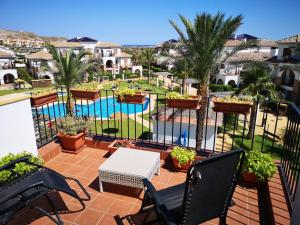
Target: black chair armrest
[[14, 162], [150, 189]]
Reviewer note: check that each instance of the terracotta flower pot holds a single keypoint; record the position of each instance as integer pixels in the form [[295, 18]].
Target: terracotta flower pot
[[43, 99], [112, 148], [86, 95], [192, 103], [249, 178], [72, 144], [227, 107], [138, 98], [182, 166]]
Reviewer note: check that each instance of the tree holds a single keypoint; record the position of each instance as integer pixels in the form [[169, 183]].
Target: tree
[[149, 58], [183, 69], [257, 82], [71, 68], [24, 75], [204, 41]]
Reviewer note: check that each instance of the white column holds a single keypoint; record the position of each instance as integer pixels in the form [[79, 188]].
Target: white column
[[157, 83], [123, 76], [190, 89]]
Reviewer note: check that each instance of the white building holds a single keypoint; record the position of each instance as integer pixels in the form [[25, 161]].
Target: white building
[[36, 60], [8, 73], [231, 68], [286, 68], [113, 60]]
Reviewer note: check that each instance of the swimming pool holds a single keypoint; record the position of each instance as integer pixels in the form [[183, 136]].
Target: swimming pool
[[105, 107]]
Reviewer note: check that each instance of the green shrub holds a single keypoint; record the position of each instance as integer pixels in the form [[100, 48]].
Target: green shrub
[[183, 155], [70, 125], [220, 87], [20, 168], [24, 75], [259, 164], [121, 92]]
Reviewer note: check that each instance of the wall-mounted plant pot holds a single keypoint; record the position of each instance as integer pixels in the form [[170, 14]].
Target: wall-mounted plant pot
[[227, 107], [249, 178], [43, 99], [117, 144], [132, 99], [184, 167], [72, 143], [192, 103], [85, 95]]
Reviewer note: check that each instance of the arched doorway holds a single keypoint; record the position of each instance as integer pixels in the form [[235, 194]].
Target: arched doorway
[[45, 77], [8, 78], [232, 83], [220, 81], [109, 64], [287, 78], [137, 72]]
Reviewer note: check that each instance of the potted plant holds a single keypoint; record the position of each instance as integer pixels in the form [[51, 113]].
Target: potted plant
[[128, 95], [20, 169], [71, 133], [257, 167], [182, 157], [176, 100], [118, 143], [42, 97], [87, 91], [232, 105]]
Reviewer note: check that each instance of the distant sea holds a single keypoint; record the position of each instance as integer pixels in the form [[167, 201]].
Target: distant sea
[[139, 46]]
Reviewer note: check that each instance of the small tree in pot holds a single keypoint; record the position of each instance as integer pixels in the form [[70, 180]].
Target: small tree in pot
[[182, 157], [71, 133], [258, 167]]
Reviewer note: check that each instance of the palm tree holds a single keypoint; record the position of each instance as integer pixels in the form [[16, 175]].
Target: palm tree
[[149, 57], [256, 82], [204, 41], [183, 69], [70, 67]]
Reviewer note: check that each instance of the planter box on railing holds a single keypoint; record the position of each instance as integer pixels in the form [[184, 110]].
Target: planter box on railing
[[117, 144], [139, 98], [227, 107], [43, 99], [192, 103], [85, 95]]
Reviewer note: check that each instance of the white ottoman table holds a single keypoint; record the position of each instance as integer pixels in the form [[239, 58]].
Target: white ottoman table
[[129, 167]]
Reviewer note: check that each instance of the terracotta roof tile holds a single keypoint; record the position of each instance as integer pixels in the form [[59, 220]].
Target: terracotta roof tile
[[107, 45], [44, 55]]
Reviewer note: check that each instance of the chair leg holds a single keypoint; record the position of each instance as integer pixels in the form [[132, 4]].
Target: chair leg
[[222, 221]]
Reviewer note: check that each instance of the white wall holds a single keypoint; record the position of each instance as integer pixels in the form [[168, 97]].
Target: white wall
[[17, 131], [7, 71]]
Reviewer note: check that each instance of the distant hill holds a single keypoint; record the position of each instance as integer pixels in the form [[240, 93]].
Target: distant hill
[[26, 35]]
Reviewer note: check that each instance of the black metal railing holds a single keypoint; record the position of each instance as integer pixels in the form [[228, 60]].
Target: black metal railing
[[276, 129]]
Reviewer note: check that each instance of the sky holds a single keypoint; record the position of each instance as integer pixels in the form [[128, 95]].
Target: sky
[[141, 21]]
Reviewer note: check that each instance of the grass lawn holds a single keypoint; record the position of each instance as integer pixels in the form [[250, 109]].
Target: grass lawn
[[276, 150], [11, 91], [114, 128]]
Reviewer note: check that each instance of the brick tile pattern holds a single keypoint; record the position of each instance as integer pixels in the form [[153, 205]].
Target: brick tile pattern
[[117, 203]]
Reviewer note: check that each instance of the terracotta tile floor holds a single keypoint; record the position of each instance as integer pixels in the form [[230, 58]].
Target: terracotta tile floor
[[117, 203]]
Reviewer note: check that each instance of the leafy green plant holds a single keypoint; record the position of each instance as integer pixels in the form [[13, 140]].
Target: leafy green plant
[[42, 92], [91, 86], [183, 155], [20, 169], [23, 74], [242, 100], [70, 125], [176, 95], [121, 92], [259, 164]]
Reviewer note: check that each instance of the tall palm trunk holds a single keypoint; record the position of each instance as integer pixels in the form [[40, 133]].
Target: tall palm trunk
[[149, 73], [202, 92], [183, 84], [68, 105], [252, 122]]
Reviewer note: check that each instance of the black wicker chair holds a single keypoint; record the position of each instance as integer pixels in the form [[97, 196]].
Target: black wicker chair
[[205, 195], [24, 190]]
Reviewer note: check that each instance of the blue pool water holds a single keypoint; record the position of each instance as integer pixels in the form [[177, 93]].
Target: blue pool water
[[105, 107]]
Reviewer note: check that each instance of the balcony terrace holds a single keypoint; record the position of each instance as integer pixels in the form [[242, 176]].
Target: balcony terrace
[[155, 127]]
